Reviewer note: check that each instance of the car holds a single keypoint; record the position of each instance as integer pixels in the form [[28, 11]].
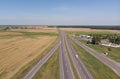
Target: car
[[76, 56]]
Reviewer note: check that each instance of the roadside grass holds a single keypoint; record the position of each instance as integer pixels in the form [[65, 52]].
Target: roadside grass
[[72, 64], [50, 70], [23, 71], [96, 67], [113, 52], [81, 40]]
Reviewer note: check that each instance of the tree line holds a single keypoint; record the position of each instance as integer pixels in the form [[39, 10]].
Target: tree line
[[113, 38]]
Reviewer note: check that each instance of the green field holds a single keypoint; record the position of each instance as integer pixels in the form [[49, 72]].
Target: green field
[[97, 68]]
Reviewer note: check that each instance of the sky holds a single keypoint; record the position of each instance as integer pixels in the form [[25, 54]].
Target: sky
[[59, 12]]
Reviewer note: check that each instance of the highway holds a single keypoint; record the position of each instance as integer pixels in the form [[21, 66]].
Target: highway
[[33, 71], [66, 71], [79, 65], [115, 66]]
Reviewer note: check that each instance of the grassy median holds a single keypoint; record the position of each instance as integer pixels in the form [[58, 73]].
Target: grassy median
[[50, 70], [96, 67]]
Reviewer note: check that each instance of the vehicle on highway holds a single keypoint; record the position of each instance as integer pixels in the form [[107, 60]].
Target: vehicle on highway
[[76, 56]]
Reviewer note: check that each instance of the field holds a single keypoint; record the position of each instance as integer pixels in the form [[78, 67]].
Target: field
[[113, 52], [87, 30], [45, 30], [19, 47]]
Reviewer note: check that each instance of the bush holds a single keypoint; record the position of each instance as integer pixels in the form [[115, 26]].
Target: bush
[[88, 42], [96, 39], [109, 49]]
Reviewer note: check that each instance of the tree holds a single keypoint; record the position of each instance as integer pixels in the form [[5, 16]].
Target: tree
[[96, 39], [6, 28], [109, 49], [114, 39]]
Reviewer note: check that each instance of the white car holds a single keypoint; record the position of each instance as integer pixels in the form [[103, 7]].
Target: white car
[[76, 56]]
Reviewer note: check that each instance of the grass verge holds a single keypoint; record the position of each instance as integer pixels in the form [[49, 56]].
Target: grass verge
[[96, 67], [23, 71], [113, 52], [50, 70]]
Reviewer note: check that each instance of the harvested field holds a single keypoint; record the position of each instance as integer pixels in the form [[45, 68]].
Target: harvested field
[[45, 30], [16, 52], [8, 33], [28, 32], [88, 30]]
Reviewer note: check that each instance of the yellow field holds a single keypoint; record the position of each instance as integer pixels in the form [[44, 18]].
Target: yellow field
[[9, 33], [45, 30], [89, 30], [17, 51]]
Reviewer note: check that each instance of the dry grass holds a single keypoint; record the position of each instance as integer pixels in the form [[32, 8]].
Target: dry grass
[[89, 30], [45, 30], [8, 33], [18, 51]]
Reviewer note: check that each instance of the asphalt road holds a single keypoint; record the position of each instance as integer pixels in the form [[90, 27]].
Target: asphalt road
[[66, 71], [115, 66], [33, 71], [79, 65]]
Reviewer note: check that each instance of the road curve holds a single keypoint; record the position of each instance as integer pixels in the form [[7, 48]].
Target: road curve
[[115, 66], [79, 65], [33, 71], [66, 71]]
